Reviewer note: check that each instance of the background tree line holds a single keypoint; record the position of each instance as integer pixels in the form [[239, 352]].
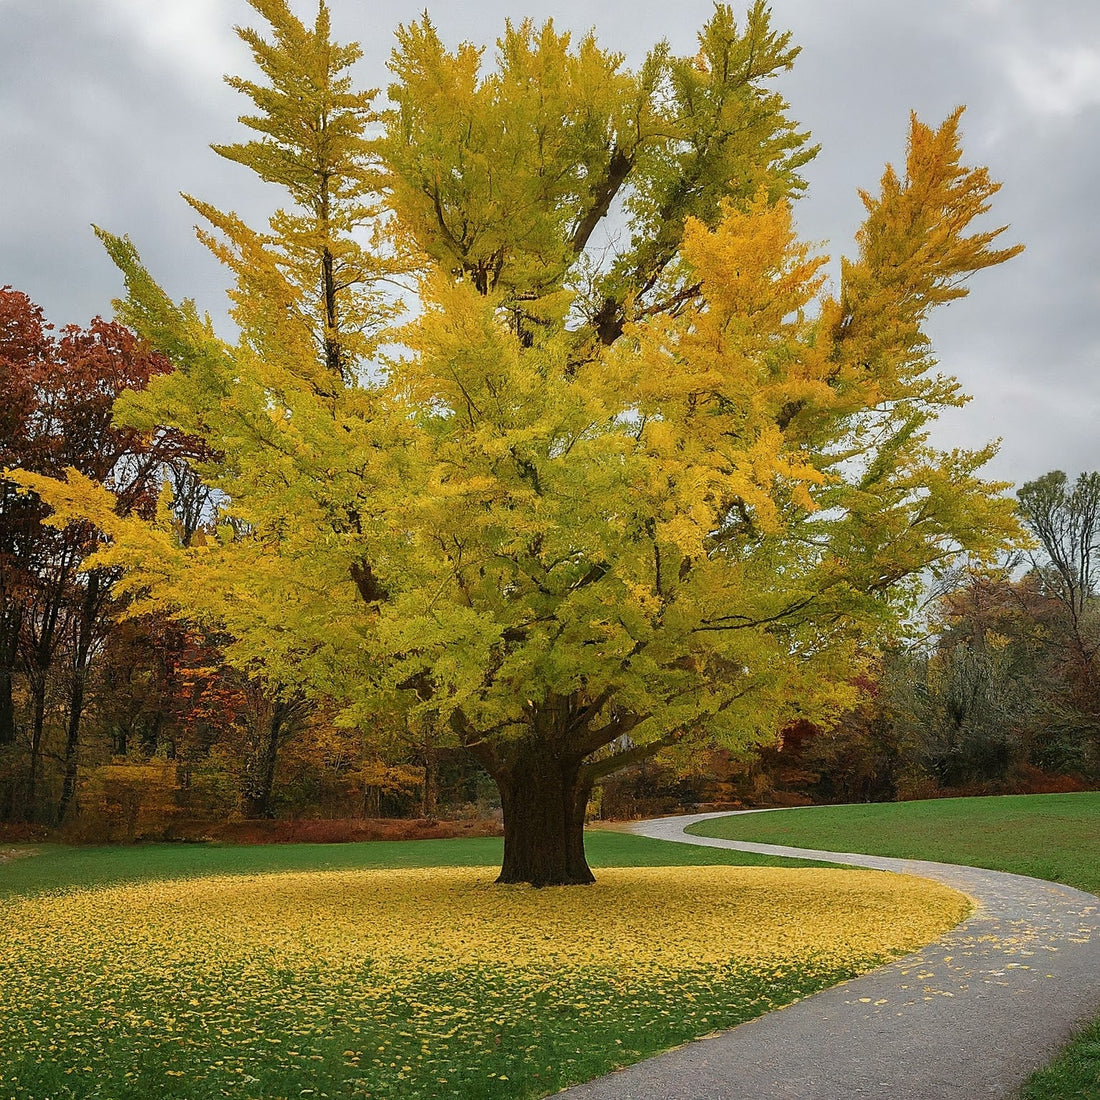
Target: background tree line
[[139, 716], [1000, 693], [144, 719]]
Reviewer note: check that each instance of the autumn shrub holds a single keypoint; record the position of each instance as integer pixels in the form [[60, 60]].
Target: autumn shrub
[[19, 832], [124, 801]]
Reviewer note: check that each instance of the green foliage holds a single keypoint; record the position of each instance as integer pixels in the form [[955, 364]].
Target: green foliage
[[504, 177], [312, 126]]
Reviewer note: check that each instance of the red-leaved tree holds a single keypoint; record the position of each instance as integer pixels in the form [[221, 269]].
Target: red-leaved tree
[[57, 392]]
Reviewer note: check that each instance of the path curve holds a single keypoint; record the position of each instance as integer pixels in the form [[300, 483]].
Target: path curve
[[970, 1016]]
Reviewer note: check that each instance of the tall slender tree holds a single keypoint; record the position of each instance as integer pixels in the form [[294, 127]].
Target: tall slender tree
[[24, 338], [1064, 517]]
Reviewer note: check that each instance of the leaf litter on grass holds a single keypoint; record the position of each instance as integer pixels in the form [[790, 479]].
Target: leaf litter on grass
[[420, 982]]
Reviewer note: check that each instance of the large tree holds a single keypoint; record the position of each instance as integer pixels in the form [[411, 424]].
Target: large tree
[[633, 478]]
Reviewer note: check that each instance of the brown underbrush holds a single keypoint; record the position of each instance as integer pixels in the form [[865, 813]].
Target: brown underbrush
[[340, 831], [18, 832]]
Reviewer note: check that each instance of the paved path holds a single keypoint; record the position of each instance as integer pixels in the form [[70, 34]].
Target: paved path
[[968, 1017]]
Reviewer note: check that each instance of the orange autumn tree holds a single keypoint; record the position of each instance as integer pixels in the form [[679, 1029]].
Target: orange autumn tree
[[612, 494]]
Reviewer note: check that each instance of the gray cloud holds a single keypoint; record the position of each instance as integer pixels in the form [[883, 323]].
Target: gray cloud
[[108, 107]]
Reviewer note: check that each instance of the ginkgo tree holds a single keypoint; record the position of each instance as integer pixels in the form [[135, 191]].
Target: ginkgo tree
[[633, 478]]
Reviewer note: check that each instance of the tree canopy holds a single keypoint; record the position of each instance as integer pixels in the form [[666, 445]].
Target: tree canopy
[[632, 476], [1066, 521]]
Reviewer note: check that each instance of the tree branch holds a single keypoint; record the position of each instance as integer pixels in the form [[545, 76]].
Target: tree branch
[[747, 622], [618, 168], [597, 769]]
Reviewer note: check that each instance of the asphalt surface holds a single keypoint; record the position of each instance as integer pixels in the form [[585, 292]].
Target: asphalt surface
[[969, 1017]]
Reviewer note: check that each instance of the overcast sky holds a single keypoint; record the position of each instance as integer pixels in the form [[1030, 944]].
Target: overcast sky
[[107, 109]]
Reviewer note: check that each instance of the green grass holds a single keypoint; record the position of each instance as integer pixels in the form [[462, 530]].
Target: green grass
[[1073, 1075], [514, 1047], [110, 1015], [58, 867], [481, 1032], [1050, 836]]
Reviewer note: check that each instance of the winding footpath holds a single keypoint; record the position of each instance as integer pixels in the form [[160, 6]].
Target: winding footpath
[[970, 1016]]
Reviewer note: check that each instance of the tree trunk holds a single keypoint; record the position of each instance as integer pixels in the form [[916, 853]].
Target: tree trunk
[[544, 799], [260, 770], [90, 608], [72, 745], [38, 724], [9, 652], [429, 792], [7, 707]]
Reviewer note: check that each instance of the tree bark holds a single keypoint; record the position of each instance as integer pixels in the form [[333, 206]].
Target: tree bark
[[429, 792], [544, 798], [9, 652], [72, 745], [38, 725], [7, 708], [260, 769], [260, 772], [91, 608]]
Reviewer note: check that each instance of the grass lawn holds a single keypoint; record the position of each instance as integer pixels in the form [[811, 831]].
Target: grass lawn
[[1051, 836], [56, 867], [398, 970]]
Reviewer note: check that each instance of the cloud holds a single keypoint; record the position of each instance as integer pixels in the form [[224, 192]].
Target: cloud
[[109, 106], [1055, 80], [194, 38]]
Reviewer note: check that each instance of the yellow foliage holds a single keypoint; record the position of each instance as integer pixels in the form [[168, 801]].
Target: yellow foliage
[[665, 497]]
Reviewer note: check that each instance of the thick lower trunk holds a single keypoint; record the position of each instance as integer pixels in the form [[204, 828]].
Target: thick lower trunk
[[544, 799]]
